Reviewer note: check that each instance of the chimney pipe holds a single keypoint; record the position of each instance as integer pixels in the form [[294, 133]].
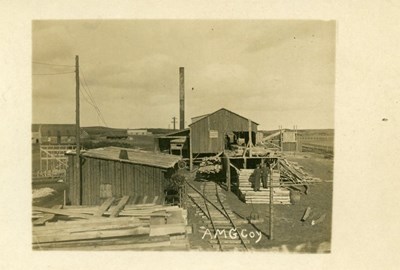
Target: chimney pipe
[[181, 98]]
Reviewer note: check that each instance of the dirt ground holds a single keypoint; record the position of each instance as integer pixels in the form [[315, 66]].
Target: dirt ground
[[290, 234], [56, 198]]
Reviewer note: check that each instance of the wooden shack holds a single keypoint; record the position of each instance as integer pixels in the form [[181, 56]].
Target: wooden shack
[[175, 143], [115, 171]]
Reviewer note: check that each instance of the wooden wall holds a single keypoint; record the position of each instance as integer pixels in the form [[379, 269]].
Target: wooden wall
[[289, 146], [222, 121], [105, 178]]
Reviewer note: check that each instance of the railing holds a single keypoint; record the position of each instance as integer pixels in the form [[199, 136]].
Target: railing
[[316, 148], [53, 162]]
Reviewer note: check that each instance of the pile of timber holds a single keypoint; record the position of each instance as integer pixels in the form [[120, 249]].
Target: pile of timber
[[210, 165], [280, 195], [110, 227], [292, 172]]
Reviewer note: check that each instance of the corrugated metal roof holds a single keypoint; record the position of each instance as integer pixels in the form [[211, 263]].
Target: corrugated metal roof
[[134, 156]]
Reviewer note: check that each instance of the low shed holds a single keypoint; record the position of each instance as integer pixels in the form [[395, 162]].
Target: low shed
[[115, 171]]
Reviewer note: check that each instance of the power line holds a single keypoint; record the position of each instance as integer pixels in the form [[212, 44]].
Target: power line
[[59, 73], [50, 64], [93, 101]]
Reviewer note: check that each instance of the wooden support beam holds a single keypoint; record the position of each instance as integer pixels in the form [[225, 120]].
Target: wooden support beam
[[271, 209], [233, 166], [250, 144], [119, 206], [190, 150], [228, 174]]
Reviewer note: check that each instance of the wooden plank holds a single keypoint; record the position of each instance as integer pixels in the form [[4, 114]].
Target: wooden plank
[[104, 207], [319, 220], [90, 235], [80, 228], [306, 214], [91, 243], [46, 217], [144, 199], [122, 221], [119, 206], [62, 212], [155, 199], [165, 229], [112, 246]]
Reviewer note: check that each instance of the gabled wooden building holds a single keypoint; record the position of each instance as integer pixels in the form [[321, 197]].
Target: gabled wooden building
[[115, 172], [209, 133]]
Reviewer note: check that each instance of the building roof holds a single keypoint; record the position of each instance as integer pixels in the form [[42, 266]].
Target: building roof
[[135, 156], [181, 132], [198, 118], [56, 129]]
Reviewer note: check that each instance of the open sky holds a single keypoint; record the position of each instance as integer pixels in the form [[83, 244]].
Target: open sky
[[274, 72]]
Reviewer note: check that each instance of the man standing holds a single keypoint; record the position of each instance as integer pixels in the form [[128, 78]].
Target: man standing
[[264, 175], [257, 178]]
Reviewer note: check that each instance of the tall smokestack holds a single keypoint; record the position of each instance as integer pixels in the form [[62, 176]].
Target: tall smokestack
[[181, 98]]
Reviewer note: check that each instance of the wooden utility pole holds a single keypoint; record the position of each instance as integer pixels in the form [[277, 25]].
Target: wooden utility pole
[[78, 132], [181, 98], [271, 207], [250, 144], [174, 121], [190, 149]]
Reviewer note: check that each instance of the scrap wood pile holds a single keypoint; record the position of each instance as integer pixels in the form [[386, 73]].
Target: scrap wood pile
[[110, 227], [210, 165], [291, 171]]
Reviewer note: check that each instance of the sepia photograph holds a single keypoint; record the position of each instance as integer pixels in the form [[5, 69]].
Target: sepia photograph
[[183, 135]]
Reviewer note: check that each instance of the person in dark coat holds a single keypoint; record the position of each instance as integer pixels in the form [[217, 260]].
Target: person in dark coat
[[264, 175], [257, 178]]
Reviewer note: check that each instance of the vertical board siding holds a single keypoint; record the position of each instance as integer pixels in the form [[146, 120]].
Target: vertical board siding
[[223, 121], [124, 178]]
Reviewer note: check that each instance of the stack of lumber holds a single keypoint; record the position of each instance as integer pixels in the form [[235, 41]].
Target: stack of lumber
[[292, 172], [110, 227], [281, 195], [210, 165]]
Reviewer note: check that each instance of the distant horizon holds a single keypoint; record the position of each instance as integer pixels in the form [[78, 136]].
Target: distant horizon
[[170, 128], [275, 72]]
